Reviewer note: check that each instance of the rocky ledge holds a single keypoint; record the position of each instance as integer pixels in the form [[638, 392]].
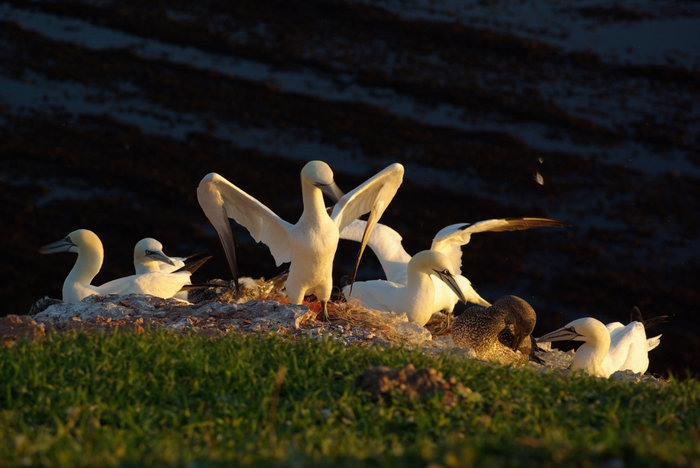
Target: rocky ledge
[[349, 324]]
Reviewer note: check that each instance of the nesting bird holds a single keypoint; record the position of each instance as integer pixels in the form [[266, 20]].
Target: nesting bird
[[149, 257], [416, 297], [498, 333], [606, 350], [88, 246], [310, 244]]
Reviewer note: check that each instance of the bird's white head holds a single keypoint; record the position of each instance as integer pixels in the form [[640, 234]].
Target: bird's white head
[[150, 250], [320, 175], [436, 263], [73, 242], [584, 329], [431, 260]]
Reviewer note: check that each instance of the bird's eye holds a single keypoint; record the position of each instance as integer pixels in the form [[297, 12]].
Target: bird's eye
[[446, 272], [67, 239]]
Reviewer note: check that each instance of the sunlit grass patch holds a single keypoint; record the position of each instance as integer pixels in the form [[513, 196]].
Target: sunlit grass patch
[[96, 400]]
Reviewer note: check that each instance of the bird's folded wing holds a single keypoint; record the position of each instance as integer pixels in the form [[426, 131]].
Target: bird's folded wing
[[375, 294], [220, 200], [116, 286], [614, 328], [628, 347], [154, 283]]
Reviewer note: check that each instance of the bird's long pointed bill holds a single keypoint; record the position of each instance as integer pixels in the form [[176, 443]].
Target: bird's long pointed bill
[[333, 191], [63, 245], [562, 334], [160, 256], [450, 281], [372, 220]]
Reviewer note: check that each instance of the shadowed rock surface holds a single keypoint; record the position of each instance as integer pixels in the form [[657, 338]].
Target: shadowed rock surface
[[350, 325]]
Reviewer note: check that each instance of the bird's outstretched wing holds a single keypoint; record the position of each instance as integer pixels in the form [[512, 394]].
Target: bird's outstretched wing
[[372, 196], [220, 200], [449, 240]]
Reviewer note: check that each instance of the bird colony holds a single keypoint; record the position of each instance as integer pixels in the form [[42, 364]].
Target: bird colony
[[417, 286]]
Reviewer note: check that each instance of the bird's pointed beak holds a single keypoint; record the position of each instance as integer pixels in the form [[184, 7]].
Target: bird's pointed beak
[[332, 190], [450, 281], [159, 256], [63, 245], [563, 334]]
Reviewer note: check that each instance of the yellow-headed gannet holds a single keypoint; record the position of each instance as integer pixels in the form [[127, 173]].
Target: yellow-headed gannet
[[149, 257], [385, 242], [310, 244], [604, 350], [90, 255], [416, 296], [498, 333]]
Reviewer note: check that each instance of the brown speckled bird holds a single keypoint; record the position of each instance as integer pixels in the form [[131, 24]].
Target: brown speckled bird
[[498, 333]]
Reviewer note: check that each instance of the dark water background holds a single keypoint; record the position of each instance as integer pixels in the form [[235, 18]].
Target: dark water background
[[112, 111]]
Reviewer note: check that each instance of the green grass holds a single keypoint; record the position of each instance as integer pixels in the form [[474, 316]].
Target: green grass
[[159, 399]]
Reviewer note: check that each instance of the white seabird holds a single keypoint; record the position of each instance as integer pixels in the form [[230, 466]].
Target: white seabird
[[385, 242], [606, 351], [88, 246], [416, 297], [149, 257], [310, 244]]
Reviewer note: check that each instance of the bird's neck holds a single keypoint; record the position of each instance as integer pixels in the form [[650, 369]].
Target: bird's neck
[[86, 266], [419, 297], [314, 207], [420, 284], [590, 356], [146, 267]]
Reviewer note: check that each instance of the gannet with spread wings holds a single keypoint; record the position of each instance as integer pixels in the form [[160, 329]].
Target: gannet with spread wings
[[310, 244]]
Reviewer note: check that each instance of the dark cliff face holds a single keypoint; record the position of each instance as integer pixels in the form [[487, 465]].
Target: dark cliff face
[[113, 111]]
